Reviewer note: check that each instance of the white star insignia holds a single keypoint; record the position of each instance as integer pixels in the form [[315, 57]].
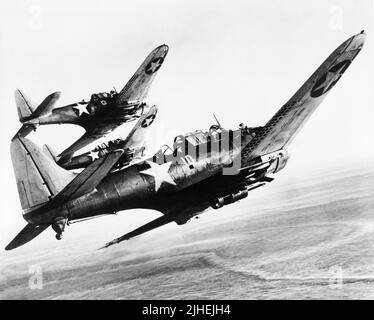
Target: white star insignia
[[160, 173], [148, 121], [93, 155], [154, 66], [331, 77], [82, 108]]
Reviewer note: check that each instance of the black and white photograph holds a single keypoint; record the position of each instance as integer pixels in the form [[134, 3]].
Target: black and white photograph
[[187, 150]]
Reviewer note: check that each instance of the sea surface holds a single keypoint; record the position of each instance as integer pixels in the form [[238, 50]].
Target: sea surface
[[309, 239]]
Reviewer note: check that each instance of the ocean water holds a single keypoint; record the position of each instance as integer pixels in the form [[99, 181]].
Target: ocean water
[[312, 239]]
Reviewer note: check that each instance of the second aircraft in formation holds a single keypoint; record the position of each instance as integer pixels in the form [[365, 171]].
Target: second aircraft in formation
[[103, 113]]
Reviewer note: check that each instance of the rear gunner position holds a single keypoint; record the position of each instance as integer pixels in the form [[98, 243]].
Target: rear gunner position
[[203, 169]]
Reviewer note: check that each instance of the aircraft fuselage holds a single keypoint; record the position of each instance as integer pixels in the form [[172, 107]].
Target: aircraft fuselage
[[100, 112], [179, 187]]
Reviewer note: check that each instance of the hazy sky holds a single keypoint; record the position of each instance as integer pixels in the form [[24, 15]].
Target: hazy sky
[[239, 59]]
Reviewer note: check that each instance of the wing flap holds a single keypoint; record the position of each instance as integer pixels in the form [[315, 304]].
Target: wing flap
[[285, 124]]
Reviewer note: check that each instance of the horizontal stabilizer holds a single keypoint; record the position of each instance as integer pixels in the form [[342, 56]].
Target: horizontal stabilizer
[[47, 105], [90, 177], [27, 234], [24, 131], [27, 110]]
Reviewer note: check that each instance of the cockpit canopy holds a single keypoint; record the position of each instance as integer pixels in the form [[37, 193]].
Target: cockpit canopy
[[196, 143], [196, 137], [103, 96], [107, 145], [98, 96]]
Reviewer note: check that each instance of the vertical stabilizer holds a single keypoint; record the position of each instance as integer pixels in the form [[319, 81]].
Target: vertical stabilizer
[[25, 107], [50, 152], [38, 177]]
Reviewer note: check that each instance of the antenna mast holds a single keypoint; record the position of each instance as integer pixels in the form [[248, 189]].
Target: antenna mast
[[217, 121]]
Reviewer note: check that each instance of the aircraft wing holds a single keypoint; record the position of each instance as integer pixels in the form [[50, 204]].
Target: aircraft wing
[[285, 124], [160, 221], [27, 234], [137, 87], [137, 138], [90, 177], [88, 137], [24, 131]]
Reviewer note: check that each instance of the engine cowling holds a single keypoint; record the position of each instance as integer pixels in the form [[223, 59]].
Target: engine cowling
[[231, 198]]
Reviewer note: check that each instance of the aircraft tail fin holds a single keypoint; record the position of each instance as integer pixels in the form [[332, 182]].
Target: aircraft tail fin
[[27, 110], [50, 152], [27, 234], [25, 107], [38, 177]]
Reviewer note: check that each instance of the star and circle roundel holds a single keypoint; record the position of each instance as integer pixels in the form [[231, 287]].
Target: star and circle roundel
[[148, 121], [327, 81], [154, 65]]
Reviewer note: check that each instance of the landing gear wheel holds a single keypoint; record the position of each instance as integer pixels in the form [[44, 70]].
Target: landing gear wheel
[[59, 226]]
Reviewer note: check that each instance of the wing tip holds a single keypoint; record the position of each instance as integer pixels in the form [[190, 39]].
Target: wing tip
[[164, 48], [358, 39], [361, 35], [56, 94], [11, 246], [28, 233], [355, 42]]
